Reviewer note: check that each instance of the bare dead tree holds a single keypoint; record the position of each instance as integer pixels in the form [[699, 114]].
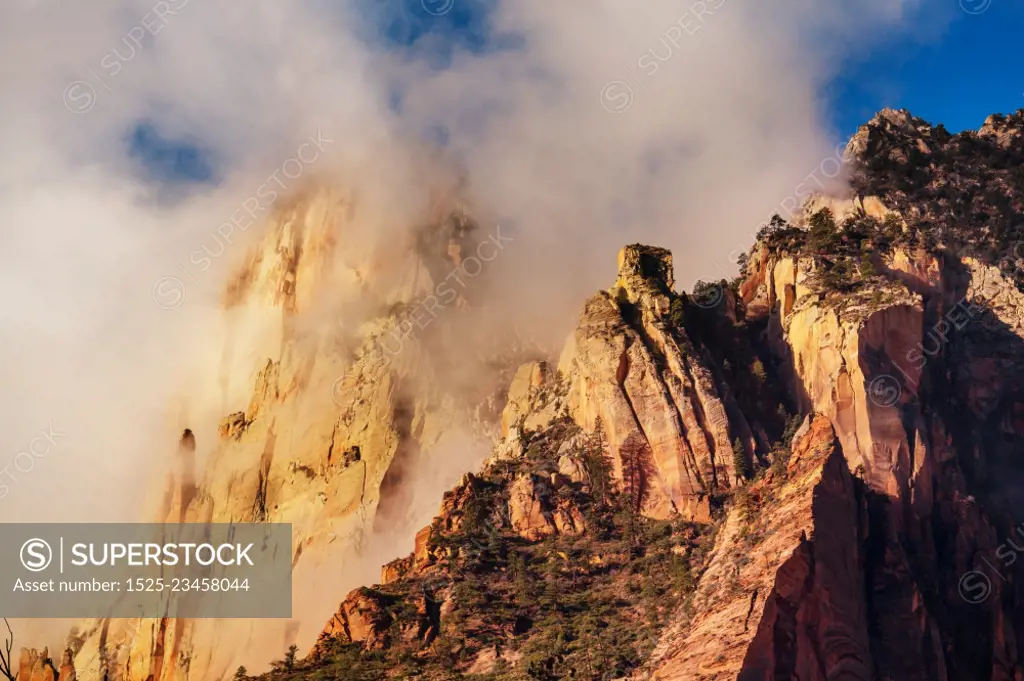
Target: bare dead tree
[[637, 472], [5, 654]]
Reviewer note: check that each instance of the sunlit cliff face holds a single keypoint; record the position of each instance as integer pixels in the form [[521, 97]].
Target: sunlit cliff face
[[358, 378]]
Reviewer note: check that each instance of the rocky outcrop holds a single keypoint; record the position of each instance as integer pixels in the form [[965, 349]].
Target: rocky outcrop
[[890, 121], [1002, 131], [37, 666], [849, 358], [633, 371], [395, 570], [67, 666], [528, 510], [783, 594], [526, 405], [534, 514], [422, 554], [843, 208], [362, 618], [573, 469]]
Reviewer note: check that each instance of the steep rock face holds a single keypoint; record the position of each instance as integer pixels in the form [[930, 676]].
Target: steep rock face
[[341, 401], [849, 359], [915, 372], [783, 594], [632, 368], [843, 208], [848, 365]]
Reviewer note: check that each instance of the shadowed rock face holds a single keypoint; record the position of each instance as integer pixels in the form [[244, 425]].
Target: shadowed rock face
[[851, 365], [788, 603], [909, 378]]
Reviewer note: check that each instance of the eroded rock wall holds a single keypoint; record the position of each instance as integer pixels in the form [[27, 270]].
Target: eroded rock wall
[[914, 380], [633, 370], [782, 596]]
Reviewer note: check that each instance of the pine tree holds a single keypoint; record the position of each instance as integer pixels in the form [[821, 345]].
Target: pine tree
[[892, 227], [739, 461], [676, 313], [757, 368], [521, 577], [597, 463], [636, 469], [241, 674], [822, 231]]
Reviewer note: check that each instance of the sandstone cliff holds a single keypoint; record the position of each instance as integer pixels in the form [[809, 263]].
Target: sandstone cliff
[[633, 371], [912, 366], [867, 551]]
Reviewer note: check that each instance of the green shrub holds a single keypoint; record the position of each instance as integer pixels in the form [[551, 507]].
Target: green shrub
[[757, 368]]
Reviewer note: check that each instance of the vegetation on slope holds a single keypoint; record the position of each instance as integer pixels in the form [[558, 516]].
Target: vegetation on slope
[[586, 607]]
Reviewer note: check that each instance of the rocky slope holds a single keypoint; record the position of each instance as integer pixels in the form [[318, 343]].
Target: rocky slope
[[536, 566], [901, 351], [783, 593]]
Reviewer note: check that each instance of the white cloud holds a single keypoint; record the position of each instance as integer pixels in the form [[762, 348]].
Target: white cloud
[[724, 118]]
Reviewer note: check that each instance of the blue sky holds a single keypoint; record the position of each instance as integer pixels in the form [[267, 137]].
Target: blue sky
[[961, 62], [966, 66], [969, 69]]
